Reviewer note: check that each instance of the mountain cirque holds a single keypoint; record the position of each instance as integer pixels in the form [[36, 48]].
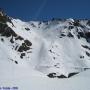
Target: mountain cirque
[[59, 48]]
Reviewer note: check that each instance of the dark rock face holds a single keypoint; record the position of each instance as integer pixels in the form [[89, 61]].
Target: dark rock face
[[3, 17], [11, 40], [87, 34], [33, 25], [22, 54], [70, 35], [18, 38], [27, 29], [2, 39], [2, 13], [81, 34], [27, 42], [85, 46], [16, 62], [52, 75], [70, 27], [88, 23], [61, 76], [88, 54], [76, 23], [7, 32], [81, 56], [23, 47], [16, 47], [72, 74], [63, 35]]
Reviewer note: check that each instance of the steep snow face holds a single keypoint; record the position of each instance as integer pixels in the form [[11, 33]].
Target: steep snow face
[[57, 48]]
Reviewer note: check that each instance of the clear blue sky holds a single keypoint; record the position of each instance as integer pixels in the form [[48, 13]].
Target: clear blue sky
[[46, 9]]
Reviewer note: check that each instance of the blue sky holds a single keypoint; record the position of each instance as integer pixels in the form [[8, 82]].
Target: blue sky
[[46, 9]]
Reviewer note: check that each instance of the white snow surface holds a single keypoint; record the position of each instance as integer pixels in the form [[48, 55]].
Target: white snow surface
[[50, 53]]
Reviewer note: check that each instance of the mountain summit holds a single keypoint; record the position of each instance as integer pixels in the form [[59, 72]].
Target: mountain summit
[[57, 48], [2, 12]]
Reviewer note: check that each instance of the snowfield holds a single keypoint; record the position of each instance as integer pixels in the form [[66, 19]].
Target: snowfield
[[26, 81], [45, 55]]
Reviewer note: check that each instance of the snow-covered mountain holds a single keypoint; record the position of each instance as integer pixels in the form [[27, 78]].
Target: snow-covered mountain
[[58, 48]]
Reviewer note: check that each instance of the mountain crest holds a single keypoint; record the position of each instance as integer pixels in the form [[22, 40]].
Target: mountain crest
[[4, 17], [2, 13]]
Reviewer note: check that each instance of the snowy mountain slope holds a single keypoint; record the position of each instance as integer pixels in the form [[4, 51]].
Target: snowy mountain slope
[[56, 48]]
